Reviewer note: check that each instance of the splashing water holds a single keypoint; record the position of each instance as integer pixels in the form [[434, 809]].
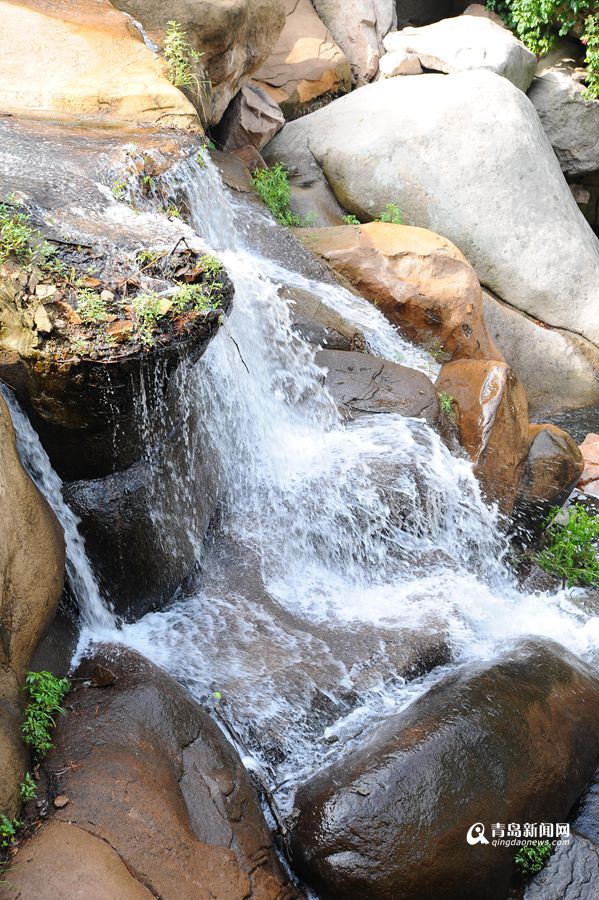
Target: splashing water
[[95, 612], [343, 553]]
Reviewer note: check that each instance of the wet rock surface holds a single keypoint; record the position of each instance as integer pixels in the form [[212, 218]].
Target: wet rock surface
[[419, 280], [153, 784], [362, 384], [551, 471], [32, 560], [390, 817], [492, 423]]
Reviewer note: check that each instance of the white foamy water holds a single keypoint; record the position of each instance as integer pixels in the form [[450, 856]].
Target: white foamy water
[[339, 546]]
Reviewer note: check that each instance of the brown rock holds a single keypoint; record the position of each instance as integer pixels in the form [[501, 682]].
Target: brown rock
[[253, 118], [61, 801], [84, 59], [364, 384], [31, 579], [67, 312], [553, 466], [150, 774], [511, 740], [234, 37], [419, 280], [93, 870], [306, 62], [492, 423], [121, 329], [589, 478]]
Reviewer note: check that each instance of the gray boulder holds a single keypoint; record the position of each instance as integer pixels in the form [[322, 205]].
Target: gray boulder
[[359, 27], [559, 370], [467, 42], [570, 120], [466, 156]]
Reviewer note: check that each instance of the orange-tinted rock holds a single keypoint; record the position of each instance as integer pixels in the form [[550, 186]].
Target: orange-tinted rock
[[306, 62], [492, 422], [553, 466], [151, 776], [419, 280], [589, 478], [84, 59]]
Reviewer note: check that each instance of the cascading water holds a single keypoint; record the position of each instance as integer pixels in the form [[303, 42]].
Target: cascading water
[[95, 612], [338, 547]]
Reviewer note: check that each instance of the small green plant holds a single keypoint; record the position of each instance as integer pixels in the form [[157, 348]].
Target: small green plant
[[437, 350], [147, 258], [119, 189], [531, 858], [571, 553], [350, 219], [180, 57], [46, 692], [19, 239], [539, 23], [391, 214], [90, 306], [273, 188], [173, 212], [28, 788], [148, 309], [446, 403], [8, 831]]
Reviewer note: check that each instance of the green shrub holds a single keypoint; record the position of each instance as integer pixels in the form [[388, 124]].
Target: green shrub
[[273, 189], [571, 552], [350, 220], [180, 57], [391, 214], [19, 239], [28, 788], [532, 858], [46, 692], [8, 831], [90, 306], [540, 22], [446, 403]]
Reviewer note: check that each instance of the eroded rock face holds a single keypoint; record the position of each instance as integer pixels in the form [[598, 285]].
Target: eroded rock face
[[419, 280], [306, 62], [362, 384], [467, 42], [430, 145], [553, 466], [234, 37], [359, 27], [492, 423], [252, 118], [187, 821], [390, 818], [558, 369], [31, 579], [84, 59], [569, 118]]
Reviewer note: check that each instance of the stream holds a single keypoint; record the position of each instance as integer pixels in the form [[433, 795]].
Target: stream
[[342, 553]]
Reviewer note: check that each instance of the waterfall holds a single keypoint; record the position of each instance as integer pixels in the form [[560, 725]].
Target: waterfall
[[341, 552], [95, 611], [336, 544]]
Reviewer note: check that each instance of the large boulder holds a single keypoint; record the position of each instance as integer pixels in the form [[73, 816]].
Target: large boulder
[[390, 818], [467, 42], [558, 369], [419, 280], [589, 478], [84, 59], [149, 776], [552, 468], [31, 578], [233, 38], [466, 156], [359, 27], [570, 119], [362, 384], [305, 63], [492, 423], [253, 118]]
